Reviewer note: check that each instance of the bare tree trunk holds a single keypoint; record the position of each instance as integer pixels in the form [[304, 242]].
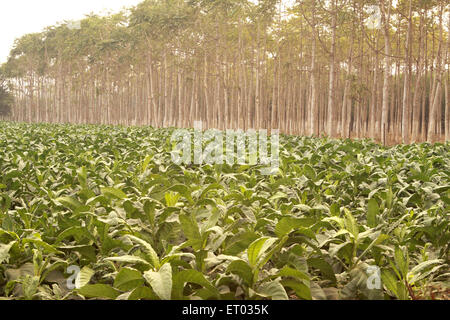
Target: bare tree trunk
[[385, 17], [417, 88], [447, 93], [438, 81], [406, 85], [313, 103], [331, 93]]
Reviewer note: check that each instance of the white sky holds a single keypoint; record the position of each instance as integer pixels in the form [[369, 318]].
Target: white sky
[[19, 17]]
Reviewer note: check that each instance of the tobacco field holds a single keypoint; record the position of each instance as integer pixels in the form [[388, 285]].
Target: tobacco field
[[106, 207]]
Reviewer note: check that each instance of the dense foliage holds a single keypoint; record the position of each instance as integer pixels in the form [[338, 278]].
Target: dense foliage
[[6, 101], [110, 201]]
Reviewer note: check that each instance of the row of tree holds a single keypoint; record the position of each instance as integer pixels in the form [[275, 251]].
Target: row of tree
[[6, 99], [344, 68]]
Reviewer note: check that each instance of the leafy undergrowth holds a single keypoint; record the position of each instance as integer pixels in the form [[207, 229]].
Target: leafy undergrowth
[[110, 201]]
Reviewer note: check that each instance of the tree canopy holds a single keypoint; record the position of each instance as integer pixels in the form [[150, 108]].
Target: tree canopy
[[340, 68], [6, 97]]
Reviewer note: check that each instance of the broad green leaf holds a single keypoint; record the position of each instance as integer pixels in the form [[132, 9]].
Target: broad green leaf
[[99, 291], [74, 231], [87, 251], [171, 198], [128, 279], [183, 190], [377, 241], [419, 270], [113, 193], [389, 281], [39, 243], [389, 198], [242, 269], [83, 277], [4, 251], [257, 249], [69, 202], [146, 162], [82, 177], [290, 272], [154, 259], [161, 281], [287, 224], [30, 286], [191, 231], [401, 262], [142, 293], [302, 290], [324, 267], [373, 211], [191, 276], [350, 223], [273, 290]]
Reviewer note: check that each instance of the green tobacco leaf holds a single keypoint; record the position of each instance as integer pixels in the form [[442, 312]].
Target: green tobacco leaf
[[146, 162], [74, 231], [419, 270], [287, 224], [171, 198], [242, 269], [142, 293], [183, 190], [99, 291], [302, 290], [373, 211], [87, 251], [113, 193], [389, 198], [30, 285], [4, 251], [324, 267], [401, 262], [82, 176], [128, 279], [290, 272], [273, 290], [69, 202], [257, 249], [350, 223], [191, 231], [39, 243], [191, 276], [378, 240], [154, 259], [389, 281], [83, 277], [161, 281]]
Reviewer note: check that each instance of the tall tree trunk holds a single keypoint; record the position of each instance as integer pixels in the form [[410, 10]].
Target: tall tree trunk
[[437, 87], [313, 103], [418, 85], [331, 93], [385, 17], [406, 84]]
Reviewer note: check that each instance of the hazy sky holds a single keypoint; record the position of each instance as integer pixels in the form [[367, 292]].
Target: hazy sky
[[19, 17]]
